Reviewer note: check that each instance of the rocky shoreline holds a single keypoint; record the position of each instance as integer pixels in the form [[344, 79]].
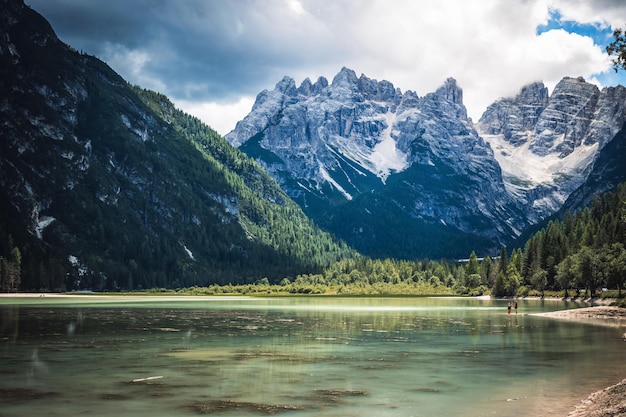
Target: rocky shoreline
[[609, 402]]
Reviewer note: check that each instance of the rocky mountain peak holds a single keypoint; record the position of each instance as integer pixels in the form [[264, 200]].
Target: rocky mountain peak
[[339, 144], [18, 21], [515, 117], [566, 120], [447, 100], [378, 90], [346, 78], [287, 86], [450, 91], [308, 89], [533, 94], [546, 143], [319, 85]]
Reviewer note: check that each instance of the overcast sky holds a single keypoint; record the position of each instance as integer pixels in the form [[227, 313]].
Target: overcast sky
[[212, 57]]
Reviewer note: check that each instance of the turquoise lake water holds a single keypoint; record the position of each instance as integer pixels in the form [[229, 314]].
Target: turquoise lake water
[[309, 356]]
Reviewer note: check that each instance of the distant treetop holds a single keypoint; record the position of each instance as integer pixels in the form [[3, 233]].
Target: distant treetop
[[617, 49]]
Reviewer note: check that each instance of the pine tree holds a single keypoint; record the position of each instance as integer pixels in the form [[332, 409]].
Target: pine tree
[[472, 266], [566, 275], [485, 271], [503, 257], [511, 279], [11, 271], [16, 261], [617, 49]]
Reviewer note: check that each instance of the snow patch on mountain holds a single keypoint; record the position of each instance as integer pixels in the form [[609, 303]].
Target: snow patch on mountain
[[44, 221], [386, 157], [524, 170], [188, 252], [326, 176], [383, 158]]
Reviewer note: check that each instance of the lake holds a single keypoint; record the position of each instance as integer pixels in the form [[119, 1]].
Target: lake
[[298, 356]]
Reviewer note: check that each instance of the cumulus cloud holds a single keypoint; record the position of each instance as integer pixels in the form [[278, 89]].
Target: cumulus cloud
[[599, 12], [224, 116], [213, 57]]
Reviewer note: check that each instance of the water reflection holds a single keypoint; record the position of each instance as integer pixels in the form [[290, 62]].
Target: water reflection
[[313, 356], [9, 326]]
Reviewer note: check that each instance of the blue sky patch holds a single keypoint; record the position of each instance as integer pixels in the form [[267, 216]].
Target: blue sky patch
[[601, 36]]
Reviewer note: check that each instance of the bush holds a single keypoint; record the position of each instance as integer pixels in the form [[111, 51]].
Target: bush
[[523, 291], [478, 291]]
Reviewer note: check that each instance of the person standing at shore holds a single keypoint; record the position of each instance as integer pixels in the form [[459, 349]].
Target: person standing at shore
[[509, 309], [516, 308]]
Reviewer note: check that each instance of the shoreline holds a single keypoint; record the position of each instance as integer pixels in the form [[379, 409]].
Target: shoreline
[[609, 402], [600, 315]]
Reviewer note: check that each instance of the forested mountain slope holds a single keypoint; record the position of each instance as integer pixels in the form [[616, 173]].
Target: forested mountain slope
[[583, 250], [104, 185]]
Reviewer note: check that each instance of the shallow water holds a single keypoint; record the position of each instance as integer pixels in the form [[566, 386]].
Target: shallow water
[[311, 356]]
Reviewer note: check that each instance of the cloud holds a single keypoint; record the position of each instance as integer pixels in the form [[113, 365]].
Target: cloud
[[603, 12], [212, 57], [224, 116]]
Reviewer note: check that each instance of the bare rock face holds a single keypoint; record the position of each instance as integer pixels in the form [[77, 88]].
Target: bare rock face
[[565, 122], [514, 118]]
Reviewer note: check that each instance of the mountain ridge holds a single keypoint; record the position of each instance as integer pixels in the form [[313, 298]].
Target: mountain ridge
[[109, 186], [548, 155], [329, 145]]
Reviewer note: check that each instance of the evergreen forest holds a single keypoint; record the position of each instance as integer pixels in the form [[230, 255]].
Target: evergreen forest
[[577, 256]]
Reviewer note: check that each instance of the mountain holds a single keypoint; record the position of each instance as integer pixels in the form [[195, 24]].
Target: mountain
[[397, 175], [548, 146], [607, 174], [104, 185], [394, 174], [586, 127]]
